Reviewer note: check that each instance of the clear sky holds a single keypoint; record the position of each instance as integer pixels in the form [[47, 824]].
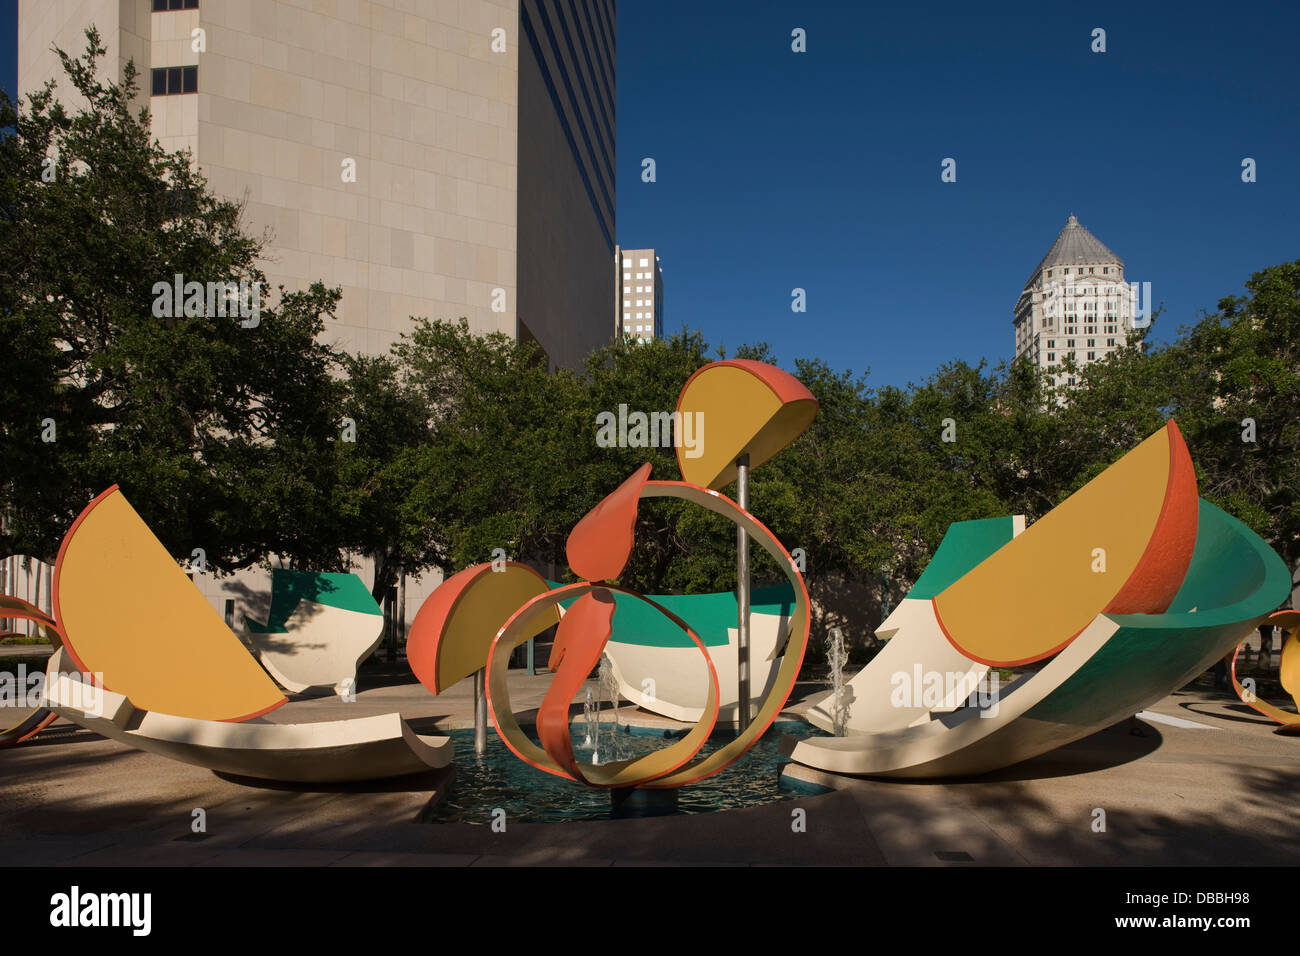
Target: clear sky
[[821, 170]]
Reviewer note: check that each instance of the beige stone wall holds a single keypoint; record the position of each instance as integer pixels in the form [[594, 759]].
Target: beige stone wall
[[413, 93], [43, 24]]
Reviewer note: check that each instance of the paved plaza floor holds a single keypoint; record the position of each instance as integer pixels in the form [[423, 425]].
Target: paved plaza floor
[[1199, 778]]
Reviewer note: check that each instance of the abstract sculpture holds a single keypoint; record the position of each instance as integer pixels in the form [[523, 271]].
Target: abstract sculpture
[[18, 609], [751, 409], [1288, 674], [146, 661], [1188, 591]]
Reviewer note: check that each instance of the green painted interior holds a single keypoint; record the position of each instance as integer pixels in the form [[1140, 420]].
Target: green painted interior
[[288, 588], [636, 622], [965, 544], [1234, 580]]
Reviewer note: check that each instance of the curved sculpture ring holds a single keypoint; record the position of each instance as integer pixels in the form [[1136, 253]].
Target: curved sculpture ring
[[42, 717], [598, 549], [586, 626], [1288, 673]]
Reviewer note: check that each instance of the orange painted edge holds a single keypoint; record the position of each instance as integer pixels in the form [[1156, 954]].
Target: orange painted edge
[[452, 598], [803, 650], [604, 537], [1003, 663], [27, 611], [492, 711], [557, 595], [1241, 695], [54, 602], [1153, 585], [38, 728], [1181, 473], [781, 383], [439, 605], [257, 713], [587, 626], [58, 573]]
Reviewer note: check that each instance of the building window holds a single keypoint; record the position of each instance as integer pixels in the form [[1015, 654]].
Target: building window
[[627, 290], [170, 80], [1049, 273], [161, 5], [1051, 356], [1110, 342], [627, 263], [644, 263], [1105, 270], [1069, 343], [1051, 343], [1091, 356], [1091, 270]]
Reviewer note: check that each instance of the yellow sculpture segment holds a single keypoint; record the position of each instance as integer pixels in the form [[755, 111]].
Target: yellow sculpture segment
[[742, 408], [1121, 544], [454, 628], [1289, 666], [128, 612], [676, 765]]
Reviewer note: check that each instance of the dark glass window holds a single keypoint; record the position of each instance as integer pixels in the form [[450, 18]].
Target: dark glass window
[[170, 80], [163, 5]]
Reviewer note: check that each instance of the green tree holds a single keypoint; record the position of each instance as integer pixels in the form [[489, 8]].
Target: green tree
[[214, 427]]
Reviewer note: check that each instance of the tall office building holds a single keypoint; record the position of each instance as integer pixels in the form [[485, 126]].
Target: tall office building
[[639, 294], [433, 158], [438, 158], [1076, 302]]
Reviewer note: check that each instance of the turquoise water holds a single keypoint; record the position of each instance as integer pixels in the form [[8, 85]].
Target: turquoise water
[[500, 779]]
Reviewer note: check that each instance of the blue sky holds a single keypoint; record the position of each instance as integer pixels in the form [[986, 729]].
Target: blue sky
[[820, 170]]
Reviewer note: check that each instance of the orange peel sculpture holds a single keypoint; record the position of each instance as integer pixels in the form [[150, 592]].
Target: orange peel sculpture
[[101, 621], [751, 408], [1128, 539], [1288, 674]]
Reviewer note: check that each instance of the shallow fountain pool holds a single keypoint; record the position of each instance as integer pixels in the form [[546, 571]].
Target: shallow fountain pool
[[500, 779]]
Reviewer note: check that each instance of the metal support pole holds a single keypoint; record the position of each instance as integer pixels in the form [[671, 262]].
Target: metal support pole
[[401, 608], [742, 596], [532, 657], [480, 710]]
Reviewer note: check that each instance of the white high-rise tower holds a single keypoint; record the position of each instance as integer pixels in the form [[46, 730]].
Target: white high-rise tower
[[1075, 302]]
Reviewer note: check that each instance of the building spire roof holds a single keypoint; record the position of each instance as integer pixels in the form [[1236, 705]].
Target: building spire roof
[[1075, 244]]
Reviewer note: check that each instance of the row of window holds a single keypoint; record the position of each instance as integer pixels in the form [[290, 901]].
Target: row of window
[[1092, 270], [162, 5], [628, 277], [627, 263], [170, 80]]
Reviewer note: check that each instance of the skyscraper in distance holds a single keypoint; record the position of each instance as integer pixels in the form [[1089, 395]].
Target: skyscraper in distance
[[639, 294], [1076, 302]]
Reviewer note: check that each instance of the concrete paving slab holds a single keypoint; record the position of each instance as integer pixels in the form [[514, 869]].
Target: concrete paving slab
[[1171, 794]]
